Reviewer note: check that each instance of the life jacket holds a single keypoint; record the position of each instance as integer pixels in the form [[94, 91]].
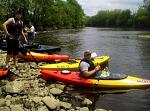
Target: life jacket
[[15, 28], [91, 66]]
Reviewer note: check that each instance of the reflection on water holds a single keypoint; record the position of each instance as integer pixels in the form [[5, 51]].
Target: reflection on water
[[130, 54]]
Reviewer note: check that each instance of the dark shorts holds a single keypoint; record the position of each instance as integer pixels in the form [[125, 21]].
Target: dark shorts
[[31, 37], [12, 46]]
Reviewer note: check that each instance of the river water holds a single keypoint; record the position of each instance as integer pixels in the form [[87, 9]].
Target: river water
[[129, 52]]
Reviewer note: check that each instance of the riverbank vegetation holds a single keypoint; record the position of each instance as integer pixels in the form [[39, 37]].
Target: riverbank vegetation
[[57, 14], [45, 13], [122, 18]]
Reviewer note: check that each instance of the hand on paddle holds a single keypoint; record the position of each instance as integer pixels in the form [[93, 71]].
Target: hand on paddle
[[97, 68]]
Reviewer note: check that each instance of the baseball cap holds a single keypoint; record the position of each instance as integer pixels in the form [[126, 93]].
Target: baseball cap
[[87, 52]]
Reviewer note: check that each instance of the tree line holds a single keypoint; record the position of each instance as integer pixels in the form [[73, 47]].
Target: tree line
[[58, 14], [122, 18], [45, 13]]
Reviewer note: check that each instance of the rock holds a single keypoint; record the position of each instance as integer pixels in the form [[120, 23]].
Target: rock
[[16, 108], [41, 94], [28, 104], [84, 109], [51, 102], [52, 86], [14, 87], [27, 109], [2, 102], [8, 97], [8, 102], [87, 102], [62, 110], [0, 91], [60, 86], [37, 99], [55, 91], [65, 105], [77, 108], [22, 71], [79, 97], [100, 110], [4, 109], [43, 108]]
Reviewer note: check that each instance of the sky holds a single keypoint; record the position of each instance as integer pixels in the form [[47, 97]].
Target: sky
[[91, 7]]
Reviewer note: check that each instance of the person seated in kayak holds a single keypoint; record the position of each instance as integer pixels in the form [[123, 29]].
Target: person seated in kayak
[[87, 67], [89, 70]]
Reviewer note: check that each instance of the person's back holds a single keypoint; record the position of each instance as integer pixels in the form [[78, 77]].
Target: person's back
[[31, 33]]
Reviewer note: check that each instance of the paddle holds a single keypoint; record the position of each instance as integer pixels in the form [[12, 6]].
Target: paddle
[[24, 51]]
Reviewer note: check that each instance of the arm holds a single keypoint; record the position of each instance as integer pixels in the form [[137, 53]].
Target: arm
[[90, 73], [24, 36], [9, 21]]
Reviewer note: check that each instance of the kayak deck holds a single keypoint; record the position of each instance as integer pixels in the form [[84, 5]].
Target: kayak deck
[[73, 65], [126, 82], [43, 57]]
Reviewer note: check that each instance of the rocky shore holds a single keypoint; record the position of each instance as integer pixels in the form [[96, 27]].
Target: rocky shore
[[27, 91]]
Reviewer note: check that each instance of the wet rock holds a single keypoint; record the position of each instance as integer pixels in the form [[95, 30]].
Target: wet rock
[[51, 102], [55, 91], [84, 109], [87, 102], [100, 110], [65, 105], [79, 97]]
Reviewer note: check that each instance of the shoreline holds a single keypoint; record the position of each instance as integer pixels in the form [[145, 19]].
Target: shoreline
[[29, 92]]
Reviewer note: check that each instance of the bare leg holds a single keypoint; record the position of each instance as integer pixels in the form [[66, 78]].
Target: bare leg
[[14, 60], [7, 59]]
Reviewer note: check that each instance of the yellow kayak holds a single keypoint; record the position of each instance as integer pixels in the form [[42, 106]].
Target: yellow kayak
[[73, 65], [113, 81]]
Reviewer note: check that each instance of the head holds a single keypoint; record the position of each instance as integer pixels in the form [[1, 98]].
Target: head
[[87, 55], [18, 14], [30, 24]]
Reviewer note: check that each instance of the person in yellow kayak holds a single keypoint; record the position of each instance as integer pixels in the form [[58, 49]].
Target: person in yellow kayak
[[87, 68], [13, 28]]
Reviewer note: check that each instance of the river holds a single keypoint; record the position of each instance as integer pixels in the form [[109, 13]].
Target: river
[[129, 52]]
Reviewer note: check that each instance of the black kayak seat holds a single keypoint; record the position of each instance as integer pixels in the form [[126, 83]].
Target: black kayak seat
[[113, 76]]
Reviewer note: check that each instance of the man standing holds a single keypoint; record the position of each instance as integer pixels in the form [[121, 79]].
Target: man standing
[[13, 28]]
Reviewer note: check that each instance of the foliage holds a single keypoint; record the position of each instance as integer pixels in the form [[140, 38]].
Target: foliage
[[46, 13], [122, 18]]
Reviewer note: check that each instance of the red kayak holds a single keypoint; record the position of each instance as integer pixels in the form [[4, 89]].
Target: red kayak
[[113, 81], [43, 56]]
